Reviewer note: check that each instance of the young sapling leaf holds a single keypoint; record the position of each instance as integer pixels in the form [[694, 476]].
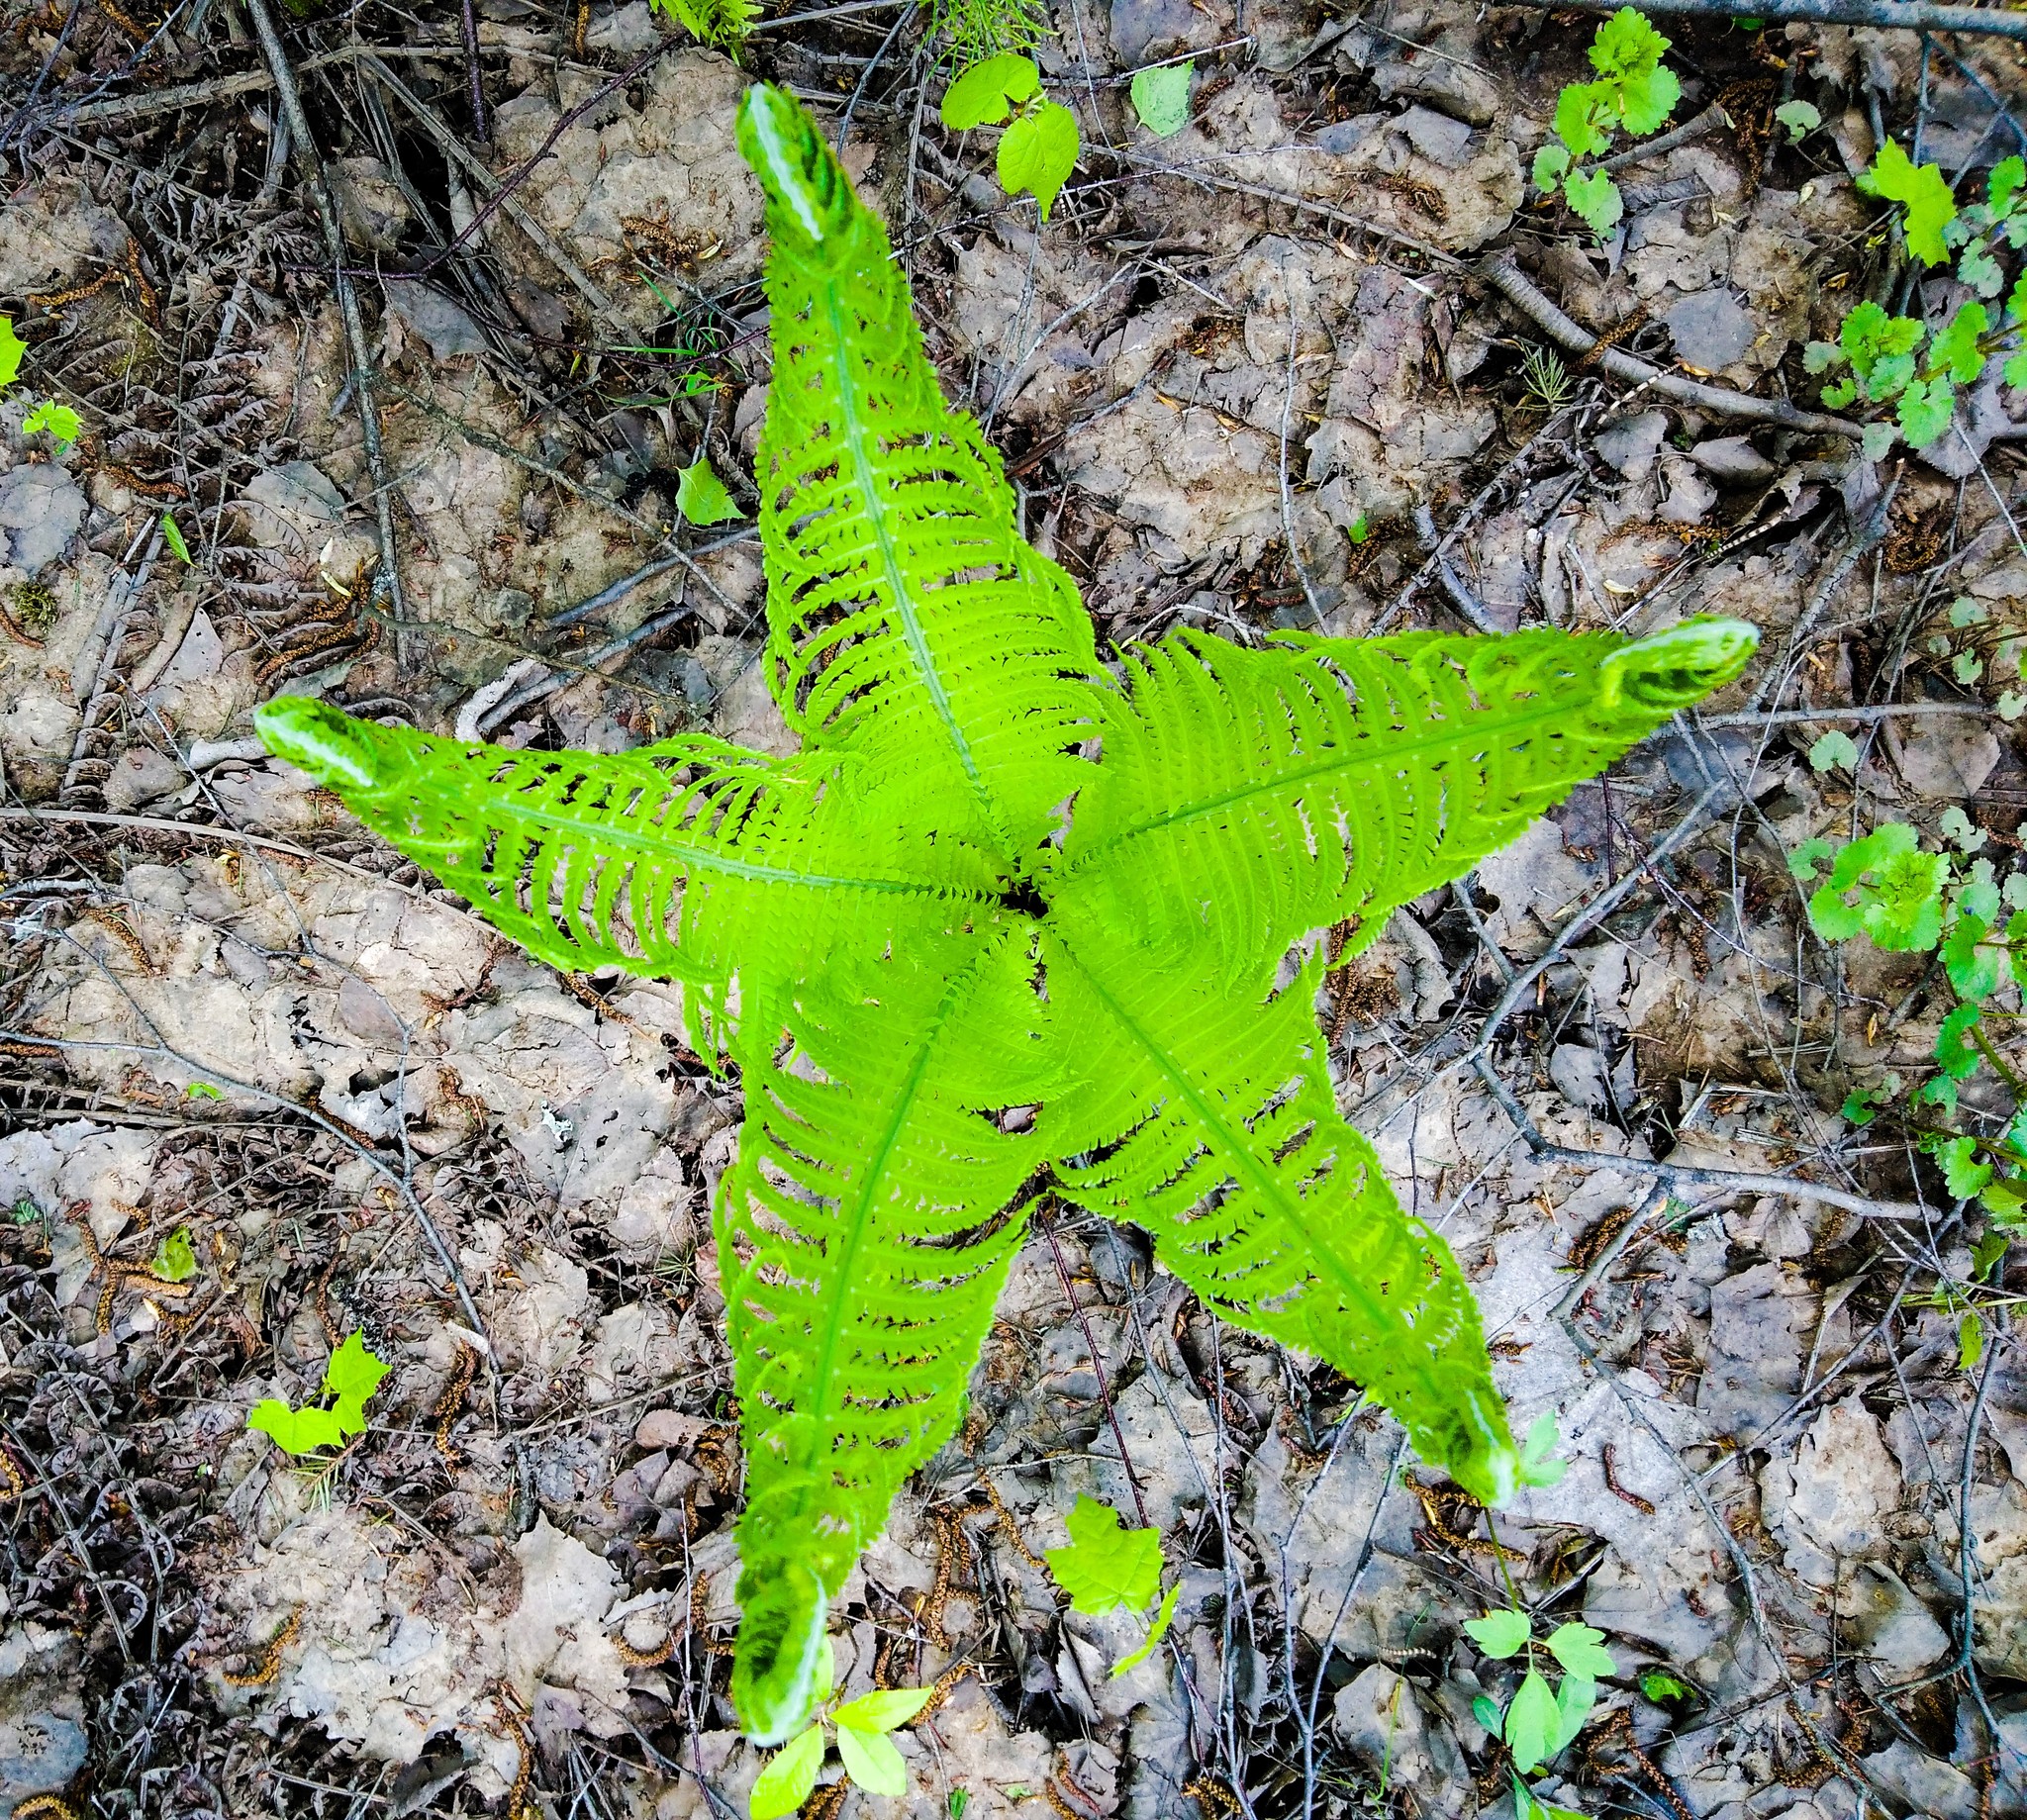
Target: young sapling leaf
[[1532, 1721], [701, 497], [1037, 152], [1500, 1634], [791, 1772], [1835, 750], [871, 1760], [1538, 1463], [1581, 1650], [884, 1709], [1161, 97], [986, 93], [1106, 1566]]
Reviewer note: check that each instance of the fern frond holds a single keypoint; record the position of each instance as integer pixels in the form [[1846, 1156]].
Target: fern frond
[[1251, 797], [1208, 1118], [864, 1236], [693, 859], [907, 617]]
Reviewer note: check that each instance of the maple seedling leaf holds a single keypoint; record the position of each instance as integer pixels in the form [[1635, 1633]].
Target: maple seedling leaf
[[351, 1378], [1000, 872], [1107, 1567]]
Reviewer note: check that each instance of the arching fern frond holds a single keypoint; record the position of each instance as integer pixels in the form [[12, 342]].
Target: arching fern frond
[[907, 617], [1250, 797], [864, 1236], [1208, 1117], [695, 859]]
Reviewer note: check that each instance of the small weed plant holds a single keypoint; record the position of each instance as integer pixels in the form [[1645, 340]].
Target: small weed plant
[[1919, 367], [1634, 93], [47, 418], [349, 1379], [1001, 873], [1907, 897], [1039, 148]]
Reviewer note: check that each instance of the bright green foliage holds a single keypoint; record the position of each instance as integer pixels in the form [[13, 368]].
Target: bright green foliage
[[1634, 93], [1539, 1720], [351, 1377], [11, 347], [1107, 1565], [1038, 150], [720, 23], [1663, 1689], [1799, 118], [1923, 195], [172, 534], [1538, 1463], [701, 497], [1904, 899], [998, 875], [977, 28], [863, 1747], [1835, 750], [57, 420], [1161, 97], [986, 93], [1155, 1632], [175, 1258], [1886, 356]]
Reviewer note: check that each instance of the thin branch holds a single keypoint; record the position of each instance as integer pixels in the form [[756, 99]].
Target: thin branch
[[1904, 15], [1511, 282]]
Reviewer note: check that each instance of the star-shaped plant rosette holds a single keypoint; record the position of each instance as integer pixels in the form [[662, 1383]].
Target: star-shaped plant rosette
[[1001, 873]]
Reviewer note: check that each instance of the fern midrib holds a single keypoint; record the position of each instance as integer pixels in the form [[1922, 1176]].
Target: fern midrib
[[1387, 755], [1239, 1158], [871, 498]]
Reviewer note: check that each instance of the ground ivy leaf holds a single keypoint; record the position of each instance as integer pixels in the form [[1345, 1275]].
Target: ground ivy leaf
[[791, 1772], [1799, 119], [1500, 1634], [1037, 152], [986, 92], [1531, 1721], [1155, 1634], [1579, 1649], [295, 1431], [872, 1761], [1958, 1057], [1107, 1565], [701, 497], [883, 1709], [1550, 162], [1161, 97], [1832, 750]]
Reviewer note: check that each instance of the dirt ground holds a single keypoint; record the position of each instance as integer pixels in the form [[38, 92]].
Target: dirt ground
[[1246, 377]]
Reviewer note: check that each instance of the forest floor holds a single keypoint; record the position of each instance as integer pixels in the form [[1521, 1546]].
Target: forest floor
[[1230, 375]]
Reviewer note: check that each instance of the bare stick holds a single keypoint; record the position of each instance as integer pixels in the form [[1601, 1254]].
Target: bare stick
[[1511, 282], [326, 200], [1906, 15]]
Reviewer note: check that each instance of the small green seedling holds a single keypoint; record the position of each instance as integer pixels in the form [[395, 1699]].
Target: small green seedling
[[351, 1377], [1834, 751], [1634, 93], [722, 24], [1541, 1719], [1038, 150], [1161, 97], [1110, 1568], [1916, 366], [173, 534], [175, 1259], [1664, 1689], [56, 421], [867, 1753], [701, 497]]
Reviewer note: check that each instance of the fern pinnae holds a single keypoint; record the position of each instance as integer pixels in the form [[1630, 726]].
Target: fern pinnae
[[907, 615]]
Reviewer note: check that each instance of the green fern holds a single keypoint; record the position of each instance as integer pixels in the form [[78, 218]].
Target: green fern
[[998, 875]]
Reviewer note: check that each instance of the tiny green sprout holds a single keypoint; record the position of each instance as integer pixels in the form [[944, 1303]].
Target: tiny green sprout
[[175, 1258], [701, 497], [863, 1747], [1663, 1689], [174, 533], [1799, 118], [1886, 888], [959, 1800], [1835, 750], [25, 1213], [53, 419], [351, 1377], [1359, 530], [1538, 1464], [202, 1089]]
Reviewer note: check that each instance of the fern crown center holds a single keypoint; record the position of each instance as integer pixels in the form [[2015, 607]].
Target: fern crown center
[[1000, 872]]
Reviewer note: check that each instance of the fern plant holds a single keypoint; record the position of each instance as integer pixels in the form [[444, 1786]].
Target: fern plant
[[998, 873]]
